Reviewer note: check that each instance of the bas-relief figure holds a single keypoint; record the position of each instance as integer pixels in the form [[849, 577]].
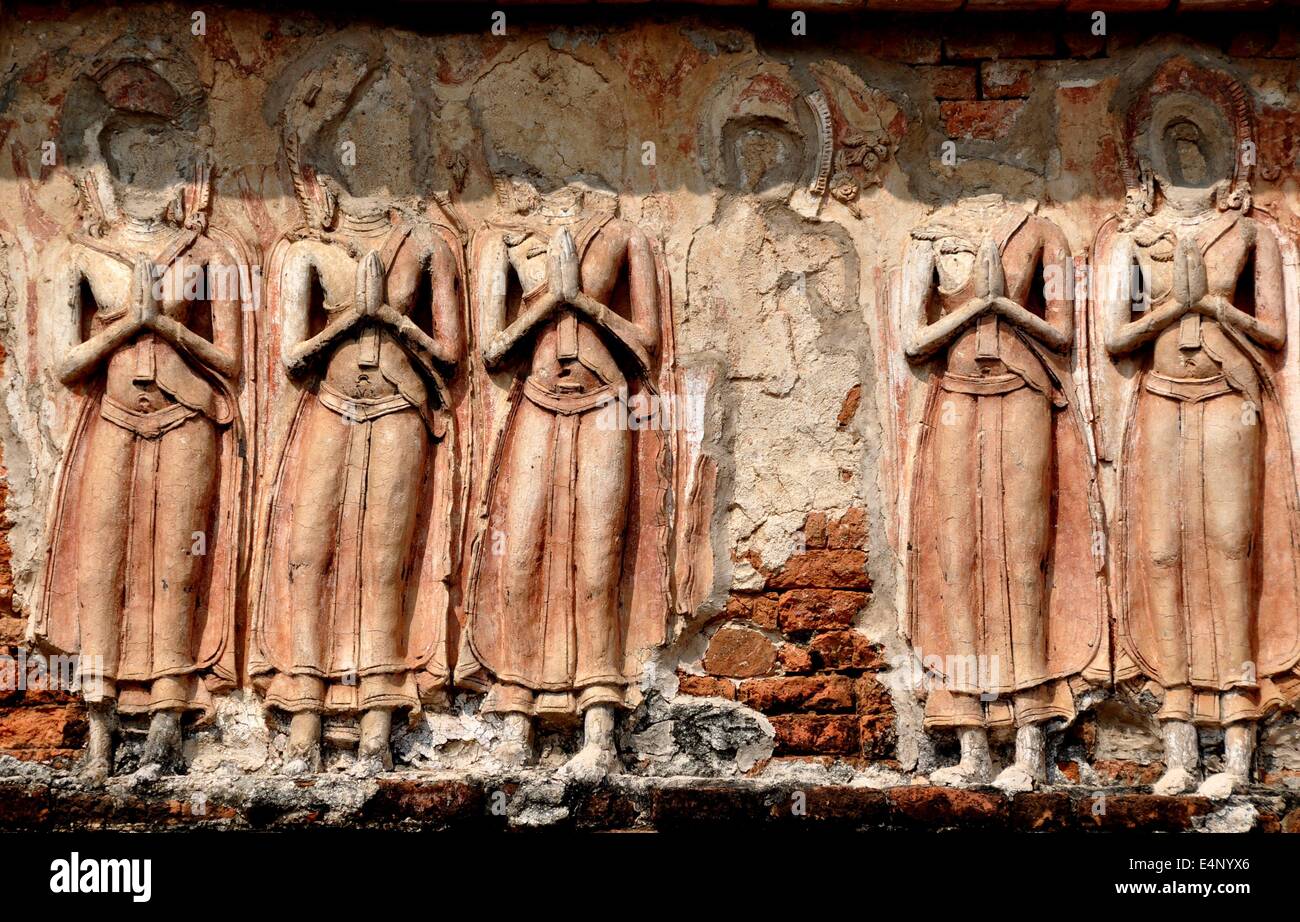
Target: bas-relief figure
[[1005, 604], [568, 586], [350, 595], [144, 538], [1206, 538]]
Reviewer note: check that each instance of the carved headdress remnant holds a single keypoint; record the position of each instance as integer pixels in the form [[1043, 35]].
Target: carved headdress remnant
[[568, 587], [1191, 304], [356, 519], [145, 533], [763, 136], [1005, 605]]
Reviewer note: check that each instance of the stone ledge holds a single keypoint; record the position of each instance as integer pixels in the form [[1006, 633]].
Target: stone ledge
[[38, 799]]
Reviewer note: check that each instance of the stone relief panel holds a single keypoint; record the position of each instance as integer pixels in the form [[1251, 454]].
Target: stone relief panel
[[569, 585], [147, 318], [853, 423], [1006, 607], [1195, 308], [359, 505]]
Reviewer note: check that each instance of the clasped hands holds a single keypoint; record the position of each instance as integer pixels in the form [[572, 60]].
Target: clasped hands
[[990, 284], [1191, 290], [369, 300], [146, 313], [563, 289]]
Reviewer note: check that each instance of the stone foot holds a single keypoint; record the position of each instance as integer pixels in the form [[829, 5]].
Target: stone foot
[[1177, 780], [302, 756], [592, 763], [373, 752], [960, 775], [1221, 785], [162, 747], [94, 771], [516, 747], [98, 763], [1014, 779]]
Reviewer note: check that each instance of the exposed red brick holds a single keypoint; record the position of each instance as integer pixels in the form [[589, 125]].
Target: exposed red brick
[[831, 734], [846, 650], [1006, 79], [41, 727], [949, 82], [819, 6], [877, 729], [984, 120], [1268, 822], [849, 408], [1223, 6], [819, 609], [849, 531], [1041, 812], [969, 44], [798, 693], [12, 630], [1148, 812], [1277, 43], [792, 658], [1291, 822], [905, 44], [1116, 6], [705, 686], [739, 607], [1011, 6], [814, 530], [1125, 772], [915, 6], [1082, 43], [766, 612], [739, 653], [947, 808], [1070, 771], [830, 569]]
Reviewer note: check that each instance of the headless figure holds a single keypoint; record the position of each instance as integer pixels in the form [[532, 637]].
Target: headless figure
[[997, 406], [374, 366], [557, 596], [161, 416]]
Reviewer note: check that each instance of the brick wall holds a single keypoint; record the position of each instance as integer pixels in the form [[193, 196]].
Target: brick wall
[[790, 650]]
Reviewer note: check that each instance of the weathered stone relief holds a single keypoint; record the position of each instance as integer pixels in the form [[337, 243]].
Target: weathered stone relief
[[358, 514], [145, 533], [1006, 608], [778, 447], [1195, 308]]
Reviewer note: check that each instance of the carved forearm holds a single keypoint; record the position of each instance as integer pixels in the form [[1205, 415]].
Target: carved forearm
[[1137, 332], [208, 353], [300, 355], [934, 336], [507, 339], [1055, 338], [1222, 310], [87, 356], [622, 329]]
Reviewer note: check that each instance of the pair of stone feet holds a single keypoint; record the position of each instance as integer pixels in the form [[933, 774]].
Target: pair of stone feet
[[1218, 786], [1015, 778], [597, 759], [162, 748], [303, 755]]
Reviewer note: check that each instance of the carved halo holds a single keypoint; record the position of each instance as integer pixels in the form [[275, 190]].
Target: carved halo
[[127, 82], [1205, 107]]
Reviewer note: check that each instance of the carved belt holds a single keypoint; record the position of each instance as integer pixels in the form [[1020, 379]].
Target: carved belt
[[146, 425], [1188, 390], [360, 409], [982, 385], [568, 402]]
